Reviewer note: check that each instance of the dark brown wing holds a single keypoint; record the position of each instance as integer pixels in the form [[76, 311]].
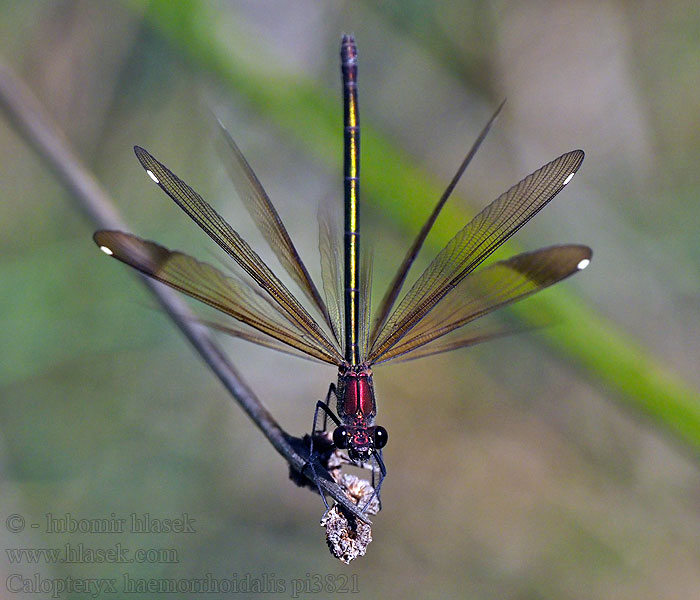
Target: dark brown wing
[[268, 221], [365, 302], [474, 243], [491, 288], [472, 338], [395, 286], [329, 247], [224, 235], [255, 338], [207, 284]]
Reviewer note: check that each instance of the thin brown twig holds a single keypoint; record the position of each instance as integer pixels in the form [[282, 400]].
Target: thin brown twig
[[33, 124]]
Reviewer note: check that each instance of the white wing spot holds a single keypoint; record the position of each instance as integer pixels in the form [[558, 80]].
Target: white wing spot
[[154, 178], [569, 178], [106, 250], [583, 264]]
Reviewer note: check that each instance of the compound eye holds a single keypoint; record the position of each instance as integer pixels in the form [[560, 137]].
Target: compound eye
[[381, 437], [340, 438]]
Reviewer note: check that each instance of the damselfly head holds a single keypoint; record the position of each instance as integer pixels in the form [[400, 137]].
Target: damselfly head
[[360, 442]]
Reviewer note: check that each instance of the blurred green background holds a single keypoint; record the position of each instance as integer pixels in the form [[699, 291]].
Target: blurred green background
[[556, 464]]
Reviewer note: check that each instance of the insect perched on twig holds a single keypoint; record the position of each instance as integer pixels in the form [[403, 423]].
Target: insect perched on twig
[[448, 295]]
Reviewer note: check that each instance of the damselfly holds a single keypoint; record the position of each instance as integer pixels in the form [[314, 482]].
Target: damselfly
[[448, 295]]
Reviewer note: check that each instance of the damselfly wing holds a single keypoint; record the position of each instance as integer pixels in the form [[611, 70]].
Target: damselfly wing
[[449, 294]]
